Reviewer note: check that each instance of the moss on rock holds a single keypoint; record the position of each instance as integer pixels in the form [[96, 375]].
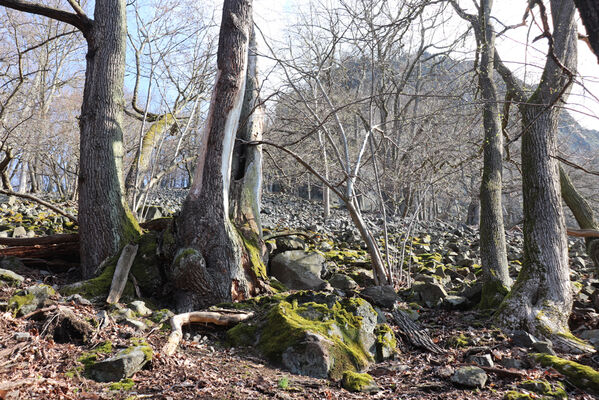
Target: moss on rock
[[356, 382], [386, 343], [581, 376]]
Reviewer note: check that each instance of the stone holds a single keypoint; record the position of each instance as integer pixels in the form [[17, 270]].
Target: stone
[[484, 360], [342, 282], [471, 377], [30, 299], [592, 335], [382, 296], [356, 382], [514, 363], [454, 302], [10, 278], [523, 339], [544, 346], [78, 299], [124, 365], [431, 294], [310, 357], [22, 336], [287, 243], [297, 269], [134, 323], [19, 232], [140, 308], [445, 371], [577, 262]]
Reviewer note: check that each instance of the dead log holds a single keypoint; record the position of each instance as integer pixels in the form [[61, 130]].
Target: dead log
[[586, 233], [121, 272], [413, 333], [222, 318], [68, 249], [50, 239]]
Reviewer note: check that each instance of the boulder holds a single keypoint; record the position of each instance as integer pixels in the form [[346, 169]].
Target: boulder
[[382, 296], [124, 365], [287, 243], [431, 294], [19, 232], [342, 282], [30, 299], [356, 382], [471, 377], [297, 269], [10, 278]]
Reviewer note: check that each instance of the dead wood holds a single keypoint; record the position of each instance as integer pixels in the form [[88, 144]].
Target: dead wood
[[121, 272], [42, 251], [209, 317], [50, 239], [583, 232], [413, 333]]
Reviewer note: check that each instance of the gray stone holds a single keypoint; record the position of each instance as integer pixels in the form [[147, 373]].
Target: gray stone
[[30, 299], [298, 269], [310, 357], [19, 232], [445, 371], [10, 277], [22, 336], [382, 296], [431, 294], [523, 339], [287, 243], [484, 360], [513, 363], [544, 346], [577, 262], [124, 365], [140, 308], [78, 299], [455, 302], [134, 323], [472, 377], [343, 282]]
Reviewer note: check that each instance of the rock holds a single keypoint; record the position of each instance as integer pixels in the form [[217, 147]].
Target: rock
[[514, 363], [577, 262], [78, 299], [19, 232], [343, 282], [431, 294], [592, 335], [124, 365], [363, 277], [287, 243], [356, 382], [383, 296], [472, 377], [298, 269], [543, 346], [134, 323], [386, 344], [484, 360], [22, 336], [10, 278], [453, 302], [140, 308], [30, 299], [445, 372], [523, 339], [310, 357]]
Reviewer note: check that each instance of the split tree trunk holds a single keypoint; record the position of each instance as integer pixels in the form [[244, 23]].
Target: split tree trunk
[[541, 300], [589, 14], [209, 265]]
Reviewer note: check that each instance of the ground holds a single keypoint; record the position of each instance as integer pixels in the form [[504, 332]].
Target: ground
[[209, 369]]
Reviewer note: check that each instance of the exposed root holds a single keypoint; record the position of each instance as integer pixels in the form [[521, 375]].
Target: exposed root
[[222, 318]]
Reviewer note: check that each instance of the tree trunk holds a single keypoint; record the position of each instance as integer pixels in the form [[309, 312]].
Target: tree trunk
[[582, 212], [105, 221], [541, 299], [496, 278], [209, 264], [589, 14]]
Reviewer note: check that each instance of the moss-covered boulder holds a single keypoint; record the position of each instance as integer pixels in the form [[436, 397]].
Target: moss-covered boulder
[[30, 299], [581, 376], [123, 365], [545, 389], [316, 334], [10, 278], [357, 382]]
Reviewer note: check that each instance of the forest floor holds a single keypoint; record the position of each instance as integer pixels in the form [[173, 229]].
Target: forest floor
[[39, 368]]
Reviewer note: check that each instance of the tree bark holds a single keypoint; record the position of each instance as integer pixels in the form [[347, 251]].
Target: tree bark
[[589, 14], [105, 221], [541, 299], [209, 264], [583, 213]]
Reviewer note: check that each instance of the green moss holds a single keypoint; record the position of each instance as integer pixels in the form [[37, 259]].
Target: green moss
[[143, 345], [98, 286], [89, 357], [581, 376], [545, 388], [145, 267], [283, 383], [251, 243], [124, 384], [287, 324], [459, 341], [385, 341], [16, 302], [493, 293], [242, 335], [277, 285], [356, 382]]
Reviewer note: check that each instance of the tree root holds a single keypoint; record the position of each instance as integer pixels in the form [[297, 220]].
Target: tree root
[[222, 318]]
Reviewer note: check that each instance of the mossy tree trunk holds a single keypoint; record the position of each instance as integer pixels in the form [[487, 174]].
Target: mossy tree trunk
[[209, 266], [496, 278], [105, 221], [582, 212], [541, 299]]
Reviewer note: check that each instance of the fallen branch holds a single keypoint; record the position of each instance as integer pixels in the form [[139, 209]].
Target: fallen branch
[[583, 232], [41, 240], [415, 335], [121, 272], [290, 233], [42, 251], [505, 373], [40, 201], [210, 317]]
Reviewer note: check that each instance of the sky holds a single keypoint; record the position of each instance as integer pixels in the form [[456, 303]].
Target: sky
[[272, 16]]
